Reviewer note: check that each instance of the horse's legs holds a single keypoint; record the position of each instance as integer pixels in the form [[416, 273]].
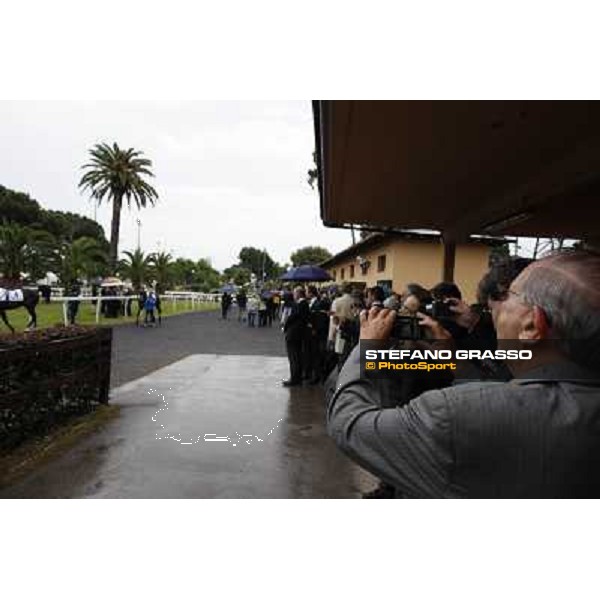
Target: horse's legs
[[33, 317], [5, 319]]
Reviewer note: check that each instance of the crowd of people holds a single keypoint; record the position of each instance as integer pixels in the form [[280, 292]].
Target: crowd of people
[[489, 429], [257, 309], [512, 429]]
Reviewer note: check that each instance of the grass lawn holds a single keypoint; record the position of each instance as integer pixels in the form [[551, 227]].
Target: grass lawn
[[49, 315]]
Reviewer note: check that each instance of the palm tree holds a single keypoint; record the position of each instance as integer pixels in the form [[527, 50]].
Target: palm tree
[[84, 257], [14, 239], [24, 250], [114, 174], [161, 265], [137, 267]]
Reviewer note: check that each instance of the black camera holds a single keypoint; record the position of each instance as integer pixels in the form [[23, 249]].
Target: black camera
[[438, 309], [407, 328]]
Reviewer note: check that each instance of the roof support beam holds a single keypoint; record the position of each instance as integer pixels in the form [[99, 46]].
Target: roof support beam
[[449, 260]]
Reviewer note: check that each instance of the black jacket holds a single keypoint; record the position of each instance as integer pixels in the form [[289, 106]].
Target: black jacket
[[296, 325]]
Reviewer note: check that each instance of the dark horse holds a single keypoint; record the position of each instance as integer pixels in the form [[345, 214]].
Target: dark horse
[[29, 302]]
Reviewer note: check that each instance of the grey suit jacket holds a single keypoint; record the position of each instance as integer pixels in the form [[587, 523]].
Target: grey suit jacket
[[534, 437]]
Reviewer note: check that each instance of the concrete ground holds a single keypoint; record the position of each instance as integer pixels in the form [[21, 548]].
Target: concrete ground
[[203, 415]]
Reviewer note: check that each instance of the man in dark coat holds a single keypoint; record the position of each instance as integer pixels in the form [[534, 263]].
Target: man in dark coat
[[225, 304], [296, 330], [73, 290], [319, 328]]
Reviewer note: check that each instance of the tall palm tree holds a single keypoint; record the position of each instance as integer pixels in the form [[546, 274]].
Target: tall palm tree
[[114, 174], [161, 265], [137, 267]]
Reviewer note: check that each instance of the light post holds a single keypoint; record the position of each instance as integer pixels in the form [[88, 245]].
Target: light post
[[139, 226]]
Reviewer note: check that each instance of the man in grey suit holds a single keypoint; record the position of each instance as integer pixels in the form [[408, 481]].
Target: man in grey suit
[[535, 436]]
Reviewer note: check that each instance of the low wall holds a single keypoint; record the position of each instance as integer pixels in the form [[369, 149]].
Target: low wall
[[50, 375]]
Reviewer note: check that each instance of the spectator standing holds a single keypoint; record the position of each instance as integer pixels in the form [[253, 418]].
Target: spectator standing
[[149, 308], [141, 299], [319, 327], [296, 332], [288, 303], [252, 309], [276, 306], [344, 312], [225, 304], [242, 303], [73, 289], [262, 311]]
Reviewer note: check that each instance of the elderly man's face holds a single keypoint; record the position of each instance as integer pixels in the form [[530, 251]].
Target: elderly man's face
[[512, 316]]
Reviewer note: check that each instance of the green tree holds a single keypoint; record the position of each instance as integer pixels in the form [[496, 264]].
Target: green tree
[[161, 270], [115, 175], [136, 266], [206, 278], [238, 275], [14, 243], [83, 258], [24, 251], [17, 207], [258, 262], [310, 255]]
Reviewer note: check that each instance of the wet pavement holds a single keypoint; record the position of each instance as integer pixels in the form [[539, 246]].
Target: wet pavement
[[202, 424], [138, 351]]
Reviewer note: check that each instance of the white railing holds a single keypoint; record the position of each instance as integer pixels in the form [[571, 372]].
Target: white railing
[[66, 299], [193, 298], [190, 297]]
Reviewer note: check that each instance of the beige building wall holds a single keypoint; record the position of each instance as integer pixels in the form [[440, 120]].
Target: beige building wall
[[471, 263], [417, 261]]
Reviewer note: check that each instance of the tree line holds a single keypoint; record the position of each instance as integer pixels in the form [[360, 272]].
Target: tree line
[[36, 241]]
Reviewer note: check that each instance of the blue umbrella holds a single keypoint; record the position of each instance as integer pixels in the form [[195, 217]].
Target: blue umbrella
[[306, 273]]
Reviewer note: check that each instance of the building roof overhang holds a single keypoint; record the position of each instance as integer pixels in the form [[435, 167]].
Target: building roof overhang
[[527, 168]]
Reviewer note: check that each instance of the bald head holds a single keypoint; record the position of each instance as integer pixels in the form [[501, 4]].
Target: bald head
[[566, 286]]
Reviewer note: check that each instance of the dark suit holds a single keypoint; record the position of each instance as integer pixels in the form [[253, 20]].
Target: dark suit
[[319, 322], [296, 331], [535, 437]]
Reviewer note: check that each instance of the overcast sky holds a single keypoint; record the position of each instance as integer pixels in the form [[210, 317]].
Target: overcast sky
[[228, 174]]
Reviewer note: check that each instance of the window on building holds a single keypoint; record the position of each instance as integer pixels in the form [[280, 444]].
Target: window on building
[[381, 263], [334, 274], [342, 274], [351, 271]]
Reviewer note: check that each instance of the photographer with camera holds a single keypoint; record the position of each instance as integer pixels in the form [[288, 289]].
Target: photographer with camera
[[535, 436]]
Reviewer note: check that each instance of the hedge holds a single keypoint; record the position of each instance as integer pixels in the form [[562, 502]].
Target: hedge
[[49, 375]]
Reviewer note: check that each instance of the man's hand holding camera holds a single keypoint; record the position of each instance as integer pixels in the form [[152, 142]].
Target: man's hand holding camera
[[378, 323]]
